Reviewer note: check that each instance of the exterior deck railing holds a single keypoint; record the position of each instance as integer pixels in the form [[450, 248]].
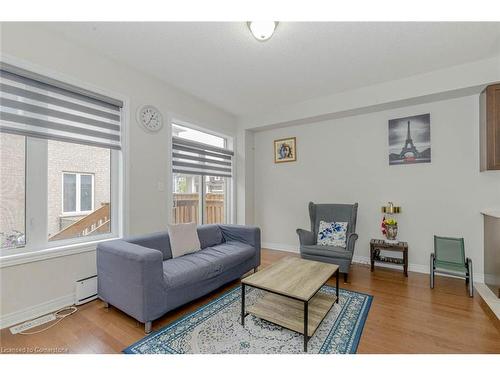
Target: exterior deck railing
[[94, 223], [187, 208]]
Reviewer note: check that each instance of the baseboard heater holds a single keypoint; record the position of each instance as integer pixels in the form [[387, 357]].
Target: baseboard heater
[[86, 290]]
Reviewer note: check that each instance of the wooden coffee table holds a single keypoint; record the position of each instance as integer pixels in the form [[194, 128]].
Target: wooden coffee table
[[292, 299]]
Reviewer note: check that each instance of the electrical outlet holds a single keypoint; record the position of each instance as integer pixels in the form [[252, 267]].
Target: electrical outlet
[[32, 323]]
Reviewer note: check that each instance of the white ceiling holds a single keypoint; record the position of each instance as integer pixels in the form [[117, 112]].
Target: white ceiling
[[223, 64]]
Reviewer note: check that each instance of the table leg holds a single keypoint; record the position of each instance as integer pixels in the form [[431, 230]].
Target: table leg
[[405, 261], [306, 321], [243, 305], [372, 259], [337, 286]]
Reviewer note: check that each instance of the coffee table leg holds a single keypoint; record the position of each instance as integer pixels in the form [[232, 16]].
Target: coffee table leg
[[306, 321], [243, 305], [337, 286]]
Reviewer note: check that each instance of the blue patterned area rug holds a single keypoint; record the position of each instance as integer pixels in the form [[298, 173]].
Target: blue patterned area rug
[[215, 329]]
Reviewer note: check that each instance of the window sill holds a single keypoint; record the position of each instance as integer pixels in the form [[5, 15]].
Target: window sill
[[75, 213], [29, 256]]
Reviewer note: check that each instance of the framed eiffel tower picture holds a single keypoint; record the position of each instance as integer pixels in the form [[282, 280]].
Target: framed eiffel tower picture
[[410, 140]]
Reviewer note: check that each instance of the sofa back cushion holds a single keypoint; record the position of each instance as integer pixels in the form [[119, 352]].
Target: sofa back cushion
[[209, 235], [183, 239]]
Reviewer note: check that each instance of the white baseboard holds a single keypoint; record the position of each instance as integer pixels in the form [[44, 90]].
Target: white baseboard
[[280, 247], [413, 267], [32, 312], [489, 298]]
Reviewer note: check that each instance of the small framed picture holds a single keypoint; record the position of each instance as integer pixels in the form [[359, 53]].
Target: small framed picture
[[285, 150]]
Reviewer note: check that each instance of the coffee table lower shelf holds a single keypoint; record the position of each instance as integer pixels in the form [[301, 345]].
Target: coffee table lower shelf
[[289, 313]]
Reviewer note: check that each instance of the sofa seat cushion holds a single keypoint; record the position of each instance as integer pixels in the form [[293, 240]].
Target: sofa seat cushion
[[327, 251], [206, 263], [232, 253]]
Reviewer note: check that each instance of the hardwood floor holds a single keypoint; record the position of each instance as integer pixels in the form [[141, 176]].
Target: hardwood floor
[[406, 317]]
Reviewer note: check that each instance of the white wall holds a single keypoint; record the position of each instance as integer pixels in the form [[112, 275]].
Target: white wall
[[454, 81], [346, 161], [244, 177], [148, 156]]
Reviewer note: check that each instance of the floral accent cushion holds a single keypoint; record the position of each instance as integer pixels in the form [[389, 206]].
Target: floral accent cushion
[[332, 234]]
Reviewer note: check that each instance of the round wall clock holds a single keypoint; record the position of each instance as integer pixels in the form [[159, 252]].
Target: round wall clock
[[150, 118]]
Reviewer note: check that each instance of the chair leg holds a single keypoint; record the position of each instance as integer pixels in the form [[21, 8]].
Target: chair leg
[[345, 277], [471, 279], [432, 271]]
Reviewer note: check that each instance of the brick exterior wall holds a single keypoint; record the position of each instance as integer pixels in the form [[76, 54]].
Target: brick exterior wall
[[70, 157], [62, 157], [12, 175]]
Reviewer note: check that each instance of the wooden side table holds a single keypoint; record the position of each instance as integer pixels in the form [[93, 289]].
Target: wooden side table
[[377, 245]]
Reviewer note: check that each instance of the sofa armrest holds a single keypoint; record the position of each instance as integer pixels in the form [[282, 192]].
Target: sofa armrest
[[243, 233], [306, 237], [130, 277]]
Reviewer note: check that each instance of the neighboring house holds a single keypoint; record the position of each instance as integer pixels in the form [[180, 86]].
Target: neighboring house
[[78, 183]]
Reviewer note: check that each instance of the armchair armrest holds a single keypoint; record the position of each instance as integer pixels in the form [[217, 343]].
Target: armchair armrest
[[130, 277], [306, 237], [351, 241]]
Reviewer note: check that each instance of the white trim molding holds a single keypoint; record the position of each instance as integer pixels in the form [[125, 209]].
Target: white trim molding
[[489, 298], [44, 254], [8, 320], [413, 267], [280, 247]]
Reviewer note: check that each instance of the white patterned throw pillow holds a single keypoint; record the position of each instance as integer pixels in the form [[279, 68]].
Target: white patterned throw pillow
[[332, 234]]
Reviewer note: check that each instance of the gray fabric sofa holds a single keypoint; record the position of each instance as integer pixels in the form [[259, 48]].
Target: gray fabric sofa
[[330, 254], [138, 275]]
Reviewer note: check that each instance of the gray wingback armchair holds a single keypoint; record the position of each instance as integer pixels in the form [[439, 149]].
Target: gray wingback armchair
[[330, 254]]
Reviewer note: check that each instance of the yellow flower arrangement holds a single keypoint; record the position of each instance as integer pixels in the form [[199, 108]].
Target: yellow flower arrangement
[[390, 222]]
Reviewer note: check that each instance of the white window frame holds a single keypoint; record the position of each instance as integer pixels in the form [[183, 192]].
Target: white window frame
[[229, 209], [78, 193], [36, 207], [37, 246]]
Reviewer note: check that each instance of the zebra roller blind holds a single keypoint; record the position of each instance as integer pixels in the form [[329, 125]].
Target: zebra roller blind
[[192, 157], [38, 106]]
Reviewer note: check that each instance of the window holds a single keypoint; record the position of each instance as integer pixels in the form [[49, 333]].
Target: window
[[78, 193], [202, 167], [59, 162], [12, 190]]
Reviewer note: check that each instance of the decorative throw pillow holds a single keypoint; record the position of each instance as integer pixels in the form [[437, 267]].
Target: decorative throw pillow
[[183, 239], [332, 234]]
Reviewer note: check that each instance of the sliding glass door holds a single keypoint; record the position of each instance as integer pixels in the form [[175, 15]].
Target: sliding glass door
[[187, 199], [214, 200], [202, 169]]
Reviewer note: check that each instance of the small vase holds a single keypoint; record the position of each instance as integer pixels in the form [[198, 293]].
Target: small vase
[[391, 232]]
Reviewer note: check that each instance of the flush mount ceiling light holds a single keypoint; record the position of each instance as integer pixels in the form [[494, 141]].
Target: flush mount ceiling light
[[262, 30]]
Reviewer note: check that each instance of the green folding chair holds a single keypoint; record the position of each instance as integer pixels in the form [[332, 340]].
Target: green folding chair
[[449, 258]]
